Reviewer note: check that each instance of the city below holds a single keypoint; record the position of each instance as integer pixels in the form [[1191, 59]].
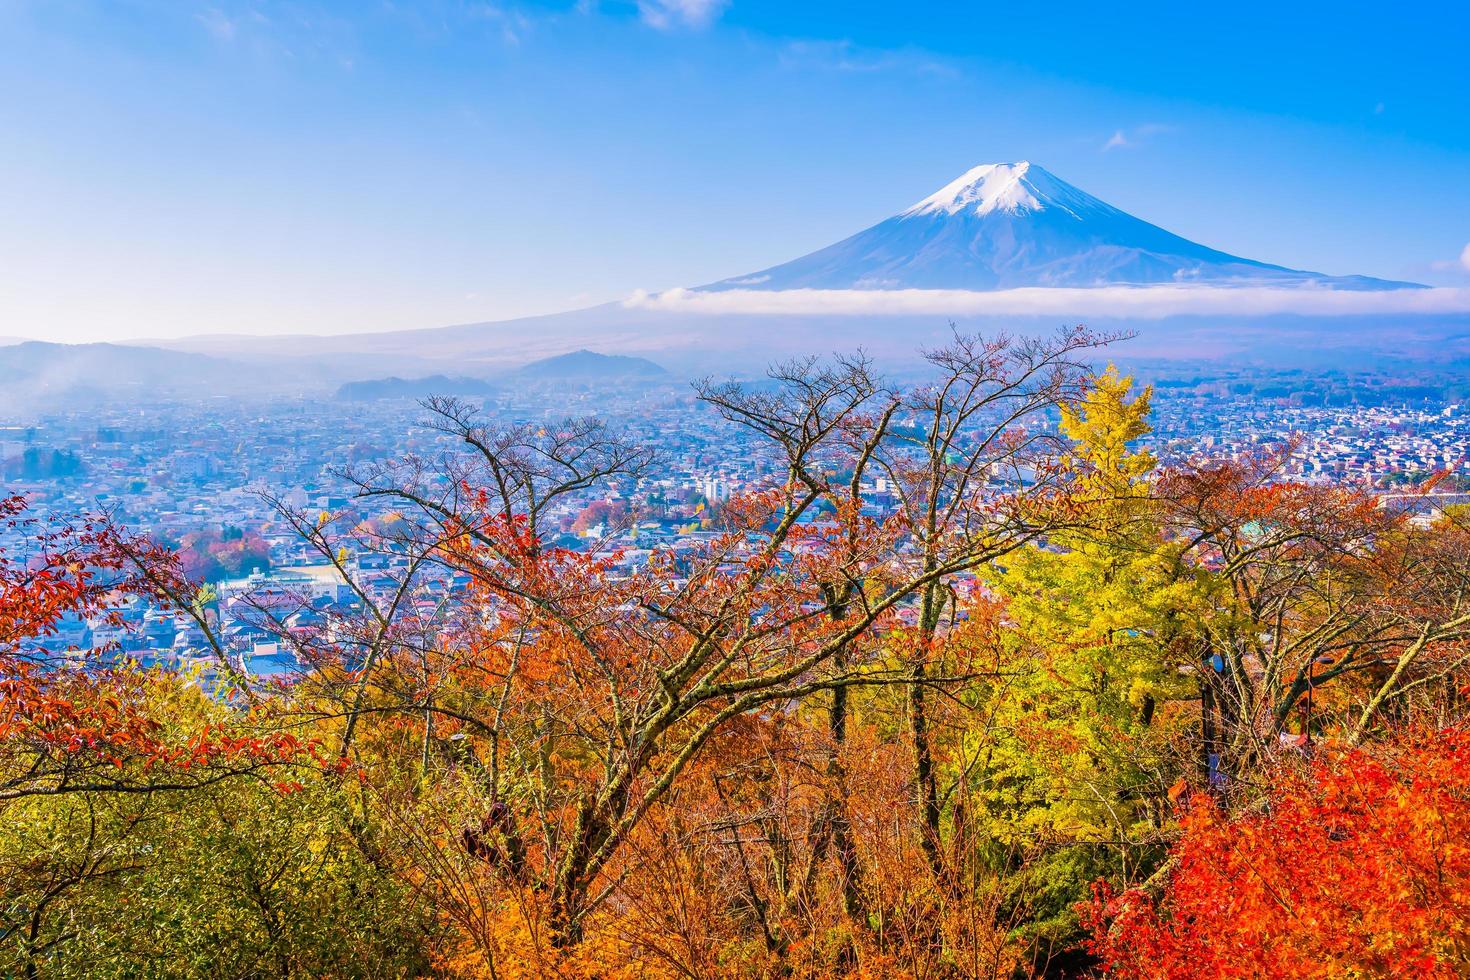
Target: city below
[[211, 477]]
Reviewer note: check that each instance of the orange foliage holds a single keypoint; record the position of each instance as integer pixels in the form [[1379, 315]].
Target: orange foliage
[[1359, 866], [72, 722]]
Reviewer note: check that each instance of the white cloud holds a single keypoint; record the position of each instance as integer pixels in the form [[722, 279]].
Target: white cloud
[[667, 15], [844, 56], [512, 24], [1457, 265], [1135, 135], [1141, 302], [219, 24]]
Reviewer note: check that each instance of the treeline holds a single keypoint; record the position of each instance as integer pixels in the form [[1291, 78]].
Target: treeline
[[1061, 713], [37, 463], [211, 554], [1330, 390]]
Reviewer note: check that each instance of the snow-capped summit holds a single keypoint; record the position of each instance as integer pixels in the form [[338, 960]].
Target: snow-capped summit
[[1009, 187], [1006, 225]]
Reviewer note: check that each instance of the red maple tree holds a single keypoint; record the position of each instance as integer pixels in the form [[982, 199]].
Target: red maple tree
[[1356, 866], [80, 721]]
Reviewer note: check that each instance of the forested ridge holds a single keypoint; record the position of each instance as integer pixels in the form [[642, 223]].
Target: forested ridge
[[1058, 711]]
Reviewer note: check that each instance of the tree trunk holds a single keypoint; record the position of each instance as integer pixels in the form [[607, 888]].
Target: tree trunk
[[925, 784], [569, 893], [1209, 760], [853, 903]]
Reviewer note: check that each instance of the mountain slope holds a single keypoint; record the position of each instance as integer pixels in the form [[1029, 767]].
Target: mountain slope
[[38, 375], [1002, 226], [59, 367]]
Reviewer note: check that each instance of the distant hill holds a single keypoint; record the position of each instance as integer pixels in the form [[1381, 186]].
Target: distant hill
[[586, 365], [436, 384], [37, 373]]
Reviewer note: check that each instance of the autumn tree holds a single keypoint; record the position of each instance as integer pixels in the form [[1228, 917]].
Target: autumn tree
[[1321, 590], [576, 695], [86, 735], [1357, 866], [1084, 715], [230, 552], [76, 722]]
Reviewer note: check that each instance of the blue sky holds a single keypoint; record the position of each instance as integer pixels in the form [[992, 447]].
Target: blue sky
[[170, 167]]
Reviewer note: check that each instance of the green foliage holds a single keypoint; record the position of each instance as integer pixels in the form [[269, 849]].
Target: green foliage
[[1081, 752], [238, 880], [247, 876]]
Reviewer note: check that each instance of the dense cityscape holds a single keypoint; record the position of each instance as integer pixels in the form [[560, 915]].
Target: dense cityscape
[[211, 478]]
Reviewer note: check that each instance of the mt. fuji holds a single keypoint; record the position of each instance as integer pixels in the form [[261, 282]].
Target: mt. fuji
[[1004, 248], [1009, 225]]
